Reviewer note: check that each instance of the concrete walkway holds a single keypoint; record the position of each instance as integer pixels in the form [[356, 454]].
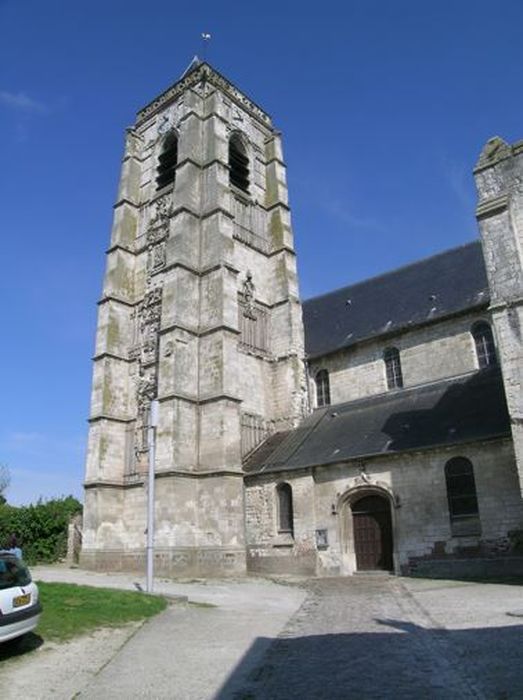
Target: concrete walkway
[[189, 651]]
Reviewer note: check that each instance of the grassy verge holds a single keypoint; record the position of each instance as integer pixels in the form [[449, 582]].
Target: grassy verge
[[70, 610]]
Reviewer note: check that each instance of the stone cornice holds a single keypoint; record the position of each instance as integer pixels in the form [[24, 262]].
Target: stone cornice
[[110, 297], [123, 200], [105, 416], [199, 401], [219, 328], [282, 249], [492, 206], [138, 480], [112, 356], [279, 203], [199, 273], [505, 304], [119, 246], [203, 73], [198, 474]]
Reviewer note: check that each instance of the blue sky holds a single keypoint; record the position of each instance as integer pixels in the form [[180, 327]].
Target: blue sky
[[384, 108]]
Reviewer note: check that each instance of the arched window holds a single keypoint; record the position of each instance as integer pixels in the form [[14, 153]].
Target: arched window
[[391, 357], [285, 510], [323, 390], [166, 169], [484, 342], [238, 164], [461, 494]]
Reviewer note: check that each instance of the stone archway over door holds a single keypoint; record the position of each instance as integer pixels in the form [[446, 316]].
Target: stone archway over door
[[372, 528]]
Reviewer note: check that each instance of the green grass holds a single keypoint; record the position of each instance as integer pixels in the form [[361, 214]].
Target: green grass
[[70, 610]]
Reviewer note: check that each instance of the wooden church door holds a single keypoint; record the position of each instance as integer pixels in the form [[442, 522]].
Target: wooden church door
[[372, 527]]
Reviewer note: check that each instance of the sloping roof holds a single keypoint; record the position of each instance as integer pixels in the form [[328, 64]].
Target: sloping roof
[[427, 290], [464, 409]]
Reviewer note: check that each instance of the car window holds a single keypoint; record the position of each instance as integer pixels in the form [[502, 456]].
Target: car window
[[13, 572]]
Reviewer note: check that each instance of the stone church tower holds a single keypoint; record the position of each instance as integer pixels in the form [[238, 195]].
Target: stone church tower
[[200, 310], [499, 181]]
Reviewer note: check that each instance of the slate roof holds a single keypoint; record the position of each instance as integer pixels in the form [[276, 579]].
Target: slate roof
[[425, 291], [463, 409]]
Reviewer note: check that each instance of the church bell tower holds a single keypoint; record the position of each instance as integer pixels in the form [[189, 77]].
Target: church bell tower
[[200, 310]]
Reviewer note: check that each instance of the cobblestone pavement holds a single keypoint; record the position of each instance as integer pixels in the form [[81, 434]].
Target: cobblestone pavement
[[378, 637]]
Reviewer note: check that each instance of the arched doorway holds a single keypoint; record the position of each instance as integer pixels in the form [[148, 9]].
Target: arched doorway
[[372, 529]]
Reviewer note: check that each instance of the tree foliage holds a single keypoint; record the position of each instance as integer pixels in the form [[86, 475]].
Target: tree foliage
[[40, 528]]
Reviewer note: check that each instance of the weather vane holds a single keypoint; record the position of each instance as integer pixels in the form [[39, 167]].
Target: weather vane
[[205, 40]]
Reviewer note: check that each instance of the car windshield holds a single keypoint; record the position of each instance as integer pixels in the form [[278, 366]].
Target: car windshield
[[13, 572]]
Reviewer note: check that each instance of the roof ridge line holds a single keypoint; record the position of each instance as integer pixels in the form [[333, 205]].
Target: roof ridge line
[[380, 275]]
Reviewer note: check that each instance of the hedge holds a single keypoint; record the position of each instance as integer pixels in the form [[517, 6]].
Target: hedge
[[41, 529]]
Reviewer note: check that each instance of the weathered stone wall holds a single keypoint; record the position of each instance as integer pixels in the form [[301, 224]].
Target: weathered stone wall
[[271, 551], [428, 354], [414, 484], [499, 181], [187, 264], [196, 526]]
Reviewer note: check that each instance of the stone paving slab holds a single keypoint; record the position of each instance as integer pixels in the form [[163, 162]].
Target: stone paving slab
[[393, 638]]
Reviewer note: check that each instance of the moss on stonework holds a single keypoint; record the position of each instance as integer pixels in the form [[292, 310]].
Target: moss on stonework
[[277, 229], [128, 228], [122, 280], [107, 396], [281, 274], [271, 189], [112, 334], [103, 448], [270, 150]]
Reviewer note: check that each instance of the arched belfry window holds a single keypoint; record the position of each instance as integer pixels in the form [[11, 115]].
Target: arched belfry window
[[238, 163], [391, 357], [484, 343], [462, 498], [167, 161], [285, 509], [323, 390]]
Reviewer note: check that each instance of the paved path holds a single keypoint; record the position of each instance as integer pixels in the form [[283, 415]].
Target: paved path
[[381, 637], [350, 638], [189, 651]]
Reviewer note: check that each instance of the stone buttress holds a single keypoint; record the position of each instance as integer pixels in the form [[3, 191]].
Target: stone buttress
[[499, 181], [200, 309]]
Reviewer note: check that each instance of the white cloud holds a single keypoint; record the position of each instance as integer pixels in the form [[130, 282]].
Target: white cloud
[[21, 102]]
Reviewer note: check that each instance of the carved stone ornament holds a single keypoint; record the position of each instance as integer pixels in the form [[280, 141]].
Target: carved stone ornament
[[248, 292], [237, 116], [155, 258], [163, 207], [206, 75], [145, 390], [165, 122]]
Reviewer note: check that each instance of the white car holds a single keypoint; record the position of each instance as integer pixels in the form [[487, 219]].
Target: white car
[[19, 605]]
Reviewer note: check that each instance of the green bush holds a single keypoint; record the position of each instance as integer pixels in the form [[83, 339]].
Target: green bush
[[41, 528]]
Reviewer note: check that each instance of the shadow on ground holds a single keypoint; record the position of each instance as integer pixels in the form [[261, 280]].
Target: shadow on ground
[[20, 646], [405, 661]]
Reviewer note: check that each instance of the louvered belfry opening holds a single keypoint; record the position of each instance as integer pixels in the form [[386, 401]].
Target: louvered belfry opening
[[166, 170], [238, 164]]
